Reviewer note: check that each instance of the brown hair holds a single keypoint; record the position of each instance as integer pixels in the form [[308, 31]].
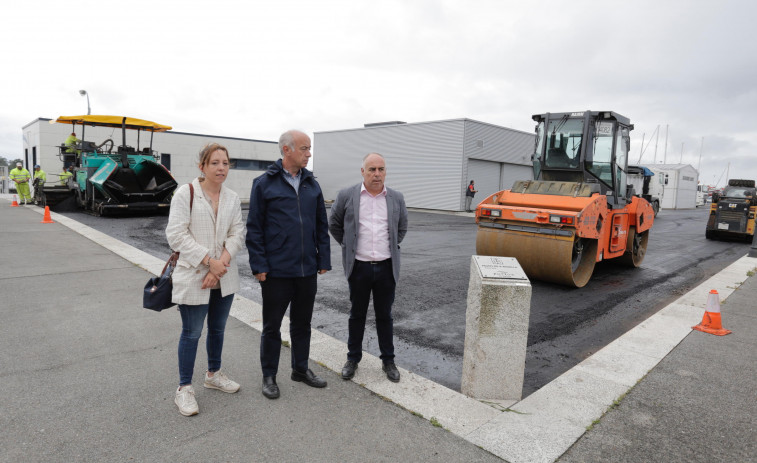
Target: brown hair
[[209, 149]]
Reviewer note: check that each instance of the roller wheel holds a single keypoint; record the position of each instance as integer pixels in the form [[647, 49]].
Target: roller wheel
[[567, 260], [636, 248], [577, 254], [582, 260], [710, 234]]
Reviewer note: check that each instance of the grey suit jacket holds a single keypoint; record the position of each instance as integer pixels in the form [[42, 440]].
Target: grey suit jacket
[[344, 219]]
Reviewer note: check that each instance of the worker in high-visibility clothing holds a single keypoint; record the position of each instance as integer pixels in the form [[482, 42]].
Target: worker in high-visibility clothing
[[39, 173], [20, 177], [71, 142], [64, 176], [40, 177]]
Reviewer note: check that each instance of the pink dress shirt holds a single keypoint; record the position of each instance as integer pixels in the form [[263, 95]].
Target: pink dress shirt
[[373, 227]]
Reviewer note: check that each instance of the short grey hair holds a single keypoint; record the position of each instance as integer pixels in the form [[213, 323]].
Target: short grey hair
[[287, 139], [370, 154]]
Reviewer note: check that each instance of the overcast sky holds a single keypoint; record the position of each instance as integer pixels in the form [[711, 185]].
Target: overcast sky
[[253, 69]]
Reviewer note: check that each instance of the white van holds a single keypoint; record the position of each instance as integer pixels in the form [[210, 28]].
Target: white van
[[648, 184]]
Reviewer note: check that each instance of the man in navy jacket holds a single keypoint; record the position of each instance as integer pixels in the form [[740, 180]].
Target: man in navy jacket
[[288, 245]]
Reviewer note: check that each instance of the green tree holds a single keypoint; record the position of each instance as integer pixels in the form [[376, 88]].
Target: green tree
[[7, 162]]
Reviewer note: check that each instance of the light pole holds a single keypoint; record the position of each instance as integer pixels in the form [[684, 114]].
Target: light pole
[[82, 93]]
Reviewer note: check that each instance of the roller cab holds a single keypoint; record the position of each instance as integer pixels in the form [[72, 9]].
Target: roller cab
[[578, 210]]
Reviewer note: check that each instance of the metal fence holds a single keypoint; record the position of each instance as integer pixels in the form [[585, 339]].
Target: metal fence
[[4, 180]]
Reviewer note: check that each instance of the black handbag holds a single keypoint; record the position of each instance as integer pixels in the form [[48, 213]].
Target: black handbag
[[158, 290]]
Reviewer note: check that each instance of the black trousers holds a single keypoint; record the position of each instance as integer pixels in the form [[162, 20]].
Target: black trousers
[[366, 279], [278, 293]]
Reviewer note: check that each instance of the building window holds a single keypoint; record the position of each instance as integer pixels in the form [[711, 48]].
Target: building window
[[165, 159], [250, 164]]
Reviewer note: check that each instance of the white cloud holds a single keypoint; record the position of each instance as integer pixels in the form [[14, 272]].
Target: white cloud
[[256, 68]]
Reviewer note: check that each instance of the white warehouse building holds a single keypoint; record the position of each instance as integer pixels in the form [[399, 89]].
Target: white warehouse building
[[431, 163], [178, 151]]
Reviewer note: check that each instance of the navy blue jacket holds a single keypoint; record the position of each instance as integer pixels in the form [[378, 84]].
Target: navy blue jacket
[[287, 230]]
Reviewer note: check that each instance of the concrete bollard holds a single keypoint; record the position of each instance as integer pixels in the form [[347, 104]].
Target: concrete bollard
[[496, 329]]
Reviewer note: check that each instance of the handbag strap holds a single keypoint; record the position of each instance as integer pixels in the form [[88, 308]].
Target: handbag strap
[[174, 257]]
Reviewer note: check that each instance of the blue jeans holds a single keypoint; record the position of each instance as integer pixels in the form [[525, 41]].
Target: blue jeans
[[192, 320]]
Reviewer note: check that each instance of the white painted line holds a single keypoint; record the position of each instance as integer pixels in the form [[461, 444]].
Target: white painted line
[[539, 428]]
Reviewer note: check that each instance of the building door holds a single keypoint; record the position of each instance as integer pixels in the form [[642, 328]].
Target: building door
[[511, 173], [486, 175]]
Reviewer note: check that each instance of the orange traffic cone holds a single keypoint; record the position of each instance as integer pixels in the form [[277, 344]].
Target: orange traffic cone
[[14, 203], [711, 322], [47, 218]]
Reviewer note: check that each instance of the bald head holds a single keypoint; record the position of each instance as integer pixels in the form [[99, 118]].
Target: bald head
[[372, 156], [374, 173]]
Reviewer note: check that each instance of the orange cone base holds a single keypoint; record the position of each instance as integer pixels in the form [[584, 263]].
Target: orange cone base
[[704, 329], [712, 324], [47, 218]]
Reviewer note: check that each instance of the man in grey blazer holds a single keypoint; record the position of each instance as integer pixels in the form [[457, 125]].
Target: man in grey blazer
[[369, 221]]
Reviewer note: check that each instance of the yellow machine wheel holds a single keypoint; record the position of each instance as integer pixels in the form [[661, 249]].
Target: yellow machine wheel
[[567, 260], [636, 248]]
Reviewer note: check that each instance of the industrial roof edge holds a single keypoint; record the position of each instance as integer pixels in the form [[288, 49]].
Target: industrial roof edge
[[460, 119], [45, 119]]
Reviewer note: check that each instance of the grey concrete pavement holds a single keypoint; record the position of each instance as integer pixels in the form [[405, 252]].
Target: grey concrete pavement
[[89, 375], [697, 405]]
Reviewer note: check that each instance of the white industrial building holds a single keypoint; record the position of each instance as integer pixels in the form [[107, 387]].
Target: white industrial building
[[178, 151], [680, 182], [431, 163]]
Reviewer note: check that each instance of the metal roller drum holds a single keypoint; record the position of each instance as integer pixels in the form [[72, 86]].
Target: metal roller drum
[[568, 260]]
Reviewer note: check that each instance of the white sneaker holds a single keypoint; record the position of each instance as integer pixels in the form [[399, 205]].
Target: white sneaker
[[221, 382], [185, 400]]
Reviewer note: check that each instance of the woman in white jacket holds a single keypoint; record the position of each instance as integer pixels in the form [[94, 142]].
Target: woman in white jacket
[[208, 232]]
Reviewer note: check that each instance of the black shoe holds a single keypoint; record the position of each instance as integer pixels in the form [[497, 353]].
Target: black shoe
[[308, 378], [392, 372], [348, 370], [270, 389]]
